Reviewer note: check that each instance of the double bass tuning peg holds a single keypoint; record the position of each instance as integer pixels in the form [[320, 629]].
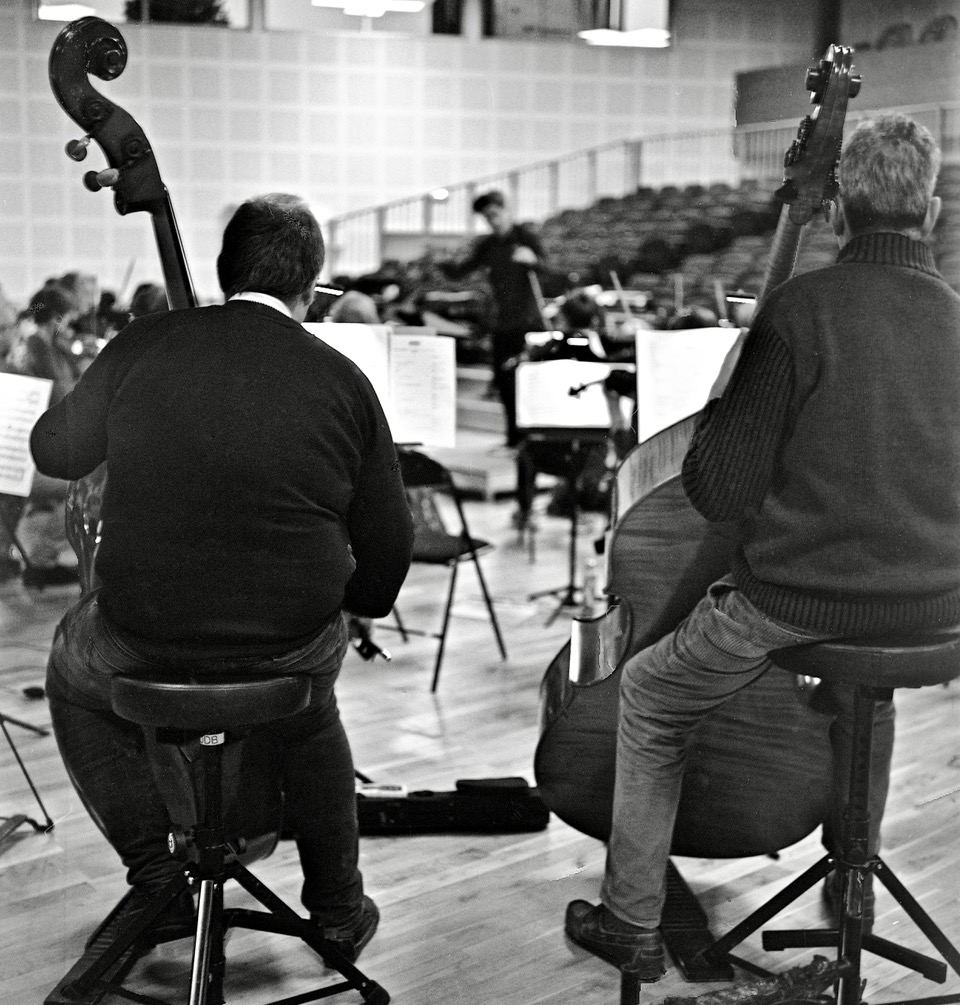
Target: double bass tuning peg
[[77, 149], [96, 180]]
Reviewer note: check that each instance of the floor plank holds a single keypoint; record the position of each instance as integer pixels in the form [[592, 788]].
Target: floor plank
[[465, 918]]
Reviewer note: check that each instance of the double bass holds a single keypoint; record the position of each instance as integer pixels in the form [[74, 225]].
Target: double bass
[[759, 769], [87, 46]]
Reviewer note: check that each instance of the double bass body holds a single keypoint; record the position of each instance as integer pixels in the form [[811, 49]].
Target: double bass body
[[759, 769]]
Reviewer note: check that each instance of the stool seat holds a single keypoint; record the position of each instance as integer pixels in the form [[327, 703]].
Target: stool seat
[[211, 703], [888, 662]]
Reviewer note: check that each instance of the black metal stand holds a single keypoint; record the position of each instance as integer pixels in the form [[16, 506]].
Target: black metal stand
[[853, 862], [211, 863], [570, 595], [8, 826]]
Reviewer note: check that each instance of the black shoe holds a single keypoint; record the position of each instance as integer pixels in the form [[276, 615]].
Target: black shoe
[[600, 931], [832, 893], [178, 920], [350, 941]]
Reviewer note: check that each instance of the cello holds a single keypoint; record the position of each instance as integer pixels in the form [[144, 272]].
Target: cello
[[759, 769], [91, 45]]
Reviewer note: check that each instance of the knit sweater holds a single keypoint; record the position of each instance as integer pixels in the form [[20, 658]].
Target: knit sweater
[[836, 446], [253, 487]]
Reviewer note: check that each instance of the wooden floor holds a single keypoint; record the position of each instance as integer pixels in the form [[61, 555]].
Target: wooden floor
[[465, 918]]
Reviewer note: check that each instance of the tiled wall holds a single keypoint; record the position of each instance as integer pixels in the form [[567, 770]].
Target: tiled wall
[[347, 120]]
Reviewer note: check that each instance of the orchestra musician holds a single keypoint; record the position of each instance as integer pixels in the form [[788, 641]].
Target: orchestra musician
[[253, 493], [510, 255], [835, 445], [576, 337]]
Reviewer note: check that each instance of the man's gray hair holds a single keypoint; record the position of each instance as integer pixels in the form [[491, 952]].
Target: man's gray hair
[[888, 171]]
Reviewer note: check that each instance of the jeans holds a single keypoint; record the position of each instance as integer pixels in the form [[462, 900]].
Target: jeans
[[106, 758], [665, 690]]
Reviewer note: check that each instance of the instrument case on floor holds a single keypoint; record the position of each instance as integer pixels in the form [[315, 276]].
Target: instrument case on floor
[[481, 805]]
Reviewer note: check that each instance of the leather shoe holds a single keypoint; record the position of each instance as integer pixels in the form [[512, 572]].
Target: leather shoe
[[601, 932], [832, 893], [350, 941]]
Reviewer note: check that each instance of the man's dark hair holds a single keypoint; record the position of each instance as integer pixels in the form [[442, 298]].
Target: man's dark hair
[[492, 198], [580, 310], [271, 245], [52, 302]]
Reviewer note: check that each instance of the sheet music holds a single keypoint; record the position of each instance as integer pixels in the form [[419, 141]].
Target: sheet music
[[413, 373], [544, 399], [675, 371], [22, 401], [423, 385]]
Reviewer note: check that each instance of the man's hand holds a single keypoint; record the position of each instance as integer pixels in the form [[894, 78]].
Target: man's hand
[[523, 255]]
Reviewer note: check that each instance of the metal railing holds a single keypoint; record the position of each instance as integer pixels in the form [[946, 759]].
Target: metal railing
[[359, 241]]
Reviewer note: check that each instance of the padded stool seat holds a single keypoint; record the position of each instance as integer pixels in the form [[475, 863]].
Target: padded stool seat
[[898, 661], [208, 703]]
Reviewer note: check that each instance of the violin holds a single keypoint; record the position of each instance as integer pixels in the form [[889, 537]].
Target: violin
[[94, 46], [759, 769]]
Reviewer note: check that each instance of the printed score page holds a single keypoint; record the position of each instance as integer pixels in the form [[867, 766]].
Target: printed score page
[[675, 371], [22, 401], [414, 377], [423, 384], [544, 400]]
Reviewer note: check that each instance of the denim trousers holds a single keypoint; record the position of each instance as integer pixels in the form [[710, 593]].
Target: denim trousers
[[106, 757], [665, 690]]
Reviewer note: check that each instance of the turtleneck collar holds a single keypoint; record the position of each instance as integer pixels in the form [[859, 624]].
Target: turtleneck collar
[[889, 248]]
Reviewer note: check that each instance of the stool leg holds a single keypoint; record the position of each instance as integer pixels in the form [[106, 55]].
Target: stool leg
[[199, 975], [206, 979], [855, 859]]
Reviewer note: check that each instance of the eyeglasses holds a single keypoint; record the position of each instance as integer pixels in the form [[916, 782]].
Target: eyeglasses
[[329, 290]]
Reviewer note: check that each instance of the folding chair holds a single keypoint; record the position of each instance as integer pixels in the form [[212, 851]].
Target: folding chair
[[423, 477]]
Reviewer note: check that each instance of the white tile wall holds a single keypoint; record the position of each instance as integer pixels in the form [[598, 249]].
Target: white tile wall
[[348, 121]]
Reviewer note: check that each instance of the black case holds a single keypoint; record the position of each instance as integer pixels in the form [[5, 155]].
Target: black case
[[481, 805]]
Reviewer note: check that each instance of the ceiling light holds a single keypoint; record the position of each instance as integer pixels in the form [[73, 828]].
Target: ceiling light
[[373, 8], [632, 22], [63, 12], [647, 38]]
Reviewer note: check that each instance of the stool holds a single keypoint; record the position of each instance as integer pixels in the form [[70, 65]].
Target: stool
[[212, 710], [876, 667]]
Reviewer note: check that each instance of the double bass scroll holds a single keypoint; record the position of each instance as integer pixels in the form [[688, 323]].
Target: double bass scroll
[[91, 45], [94, 46]]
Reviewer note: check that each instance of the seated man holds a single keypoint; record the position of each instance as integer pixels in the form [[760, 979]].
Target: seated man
[[836, 446], [253, 493]]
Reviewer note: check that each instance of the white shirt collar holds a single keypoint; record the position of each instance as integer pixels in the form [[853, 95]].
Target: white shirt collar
[[265, 299]]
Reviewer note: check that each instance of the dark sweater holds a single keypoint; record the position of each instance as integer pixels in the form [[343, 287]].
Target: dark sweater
[[253, 487], [517, 308], [836, 445]]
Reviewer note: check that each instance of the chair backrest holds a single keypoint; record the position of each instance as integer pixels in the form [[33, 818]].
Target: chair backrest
[[419, 471], [423, 477]]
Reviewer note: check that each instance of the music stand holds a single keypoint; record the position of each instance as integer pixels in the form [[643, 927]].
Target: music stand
[[575, 440], [562, 401]]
